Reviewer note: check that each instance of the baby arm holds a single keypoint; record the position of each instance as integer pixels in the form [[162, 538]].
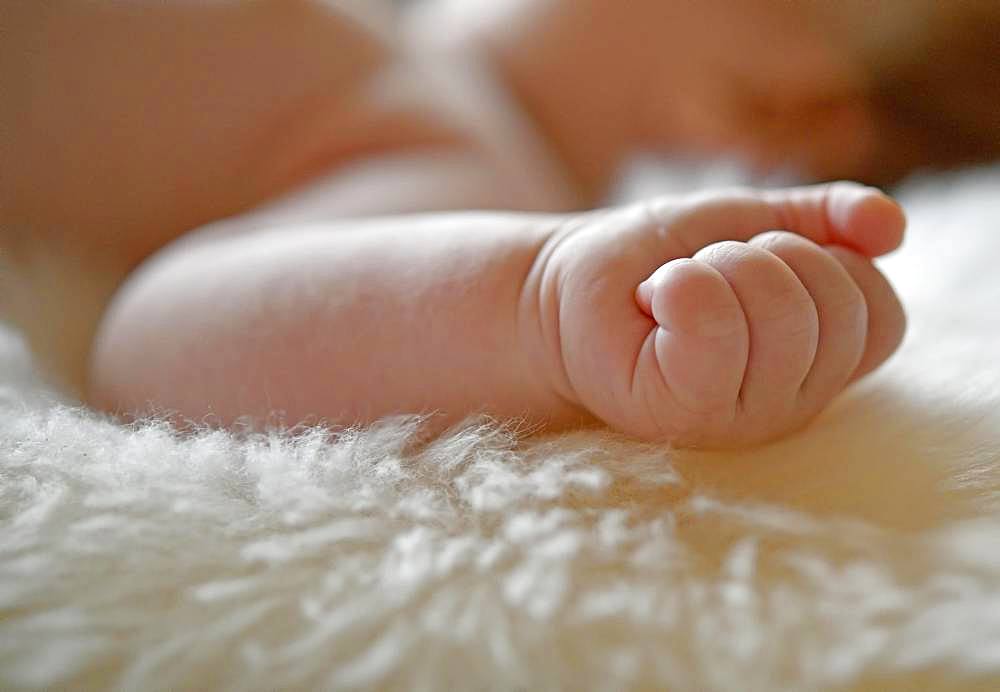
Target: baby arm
[[676, 320], [125, 124], [342, 321]]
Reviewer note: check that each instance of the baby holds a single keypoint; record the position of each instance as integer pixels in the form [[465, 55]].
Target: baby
[[273, 127]]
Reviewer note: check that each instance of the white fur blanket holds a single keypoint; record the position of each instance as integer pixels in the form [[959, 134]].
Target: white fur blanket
[[863, 553]]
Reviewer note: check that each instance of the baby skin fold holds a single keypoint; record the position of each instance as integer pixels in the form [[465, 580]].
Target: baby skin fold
[[726, 318]]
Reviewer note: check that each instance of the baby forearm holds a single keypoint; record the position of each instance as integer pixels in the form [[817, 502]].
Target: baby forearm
[[125, 124], [344, 324]]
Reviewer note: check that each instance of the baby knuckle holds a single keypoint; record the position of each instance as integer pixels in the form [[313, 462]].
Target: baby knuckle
[[847, 307], [721, 321], [777, 240], [724, 253], [790, 312]]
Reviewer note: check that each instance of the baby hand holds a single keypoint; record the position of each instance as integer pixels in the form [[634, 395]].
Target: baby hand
[[694, 321]]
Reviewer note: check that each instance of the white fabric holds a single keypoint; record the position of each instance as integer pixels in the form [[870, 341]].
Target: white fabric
[[862, 553]]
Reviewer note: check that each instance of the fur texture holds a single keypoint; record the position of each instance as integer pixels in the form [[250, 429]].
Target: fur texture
[[863, 553]]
